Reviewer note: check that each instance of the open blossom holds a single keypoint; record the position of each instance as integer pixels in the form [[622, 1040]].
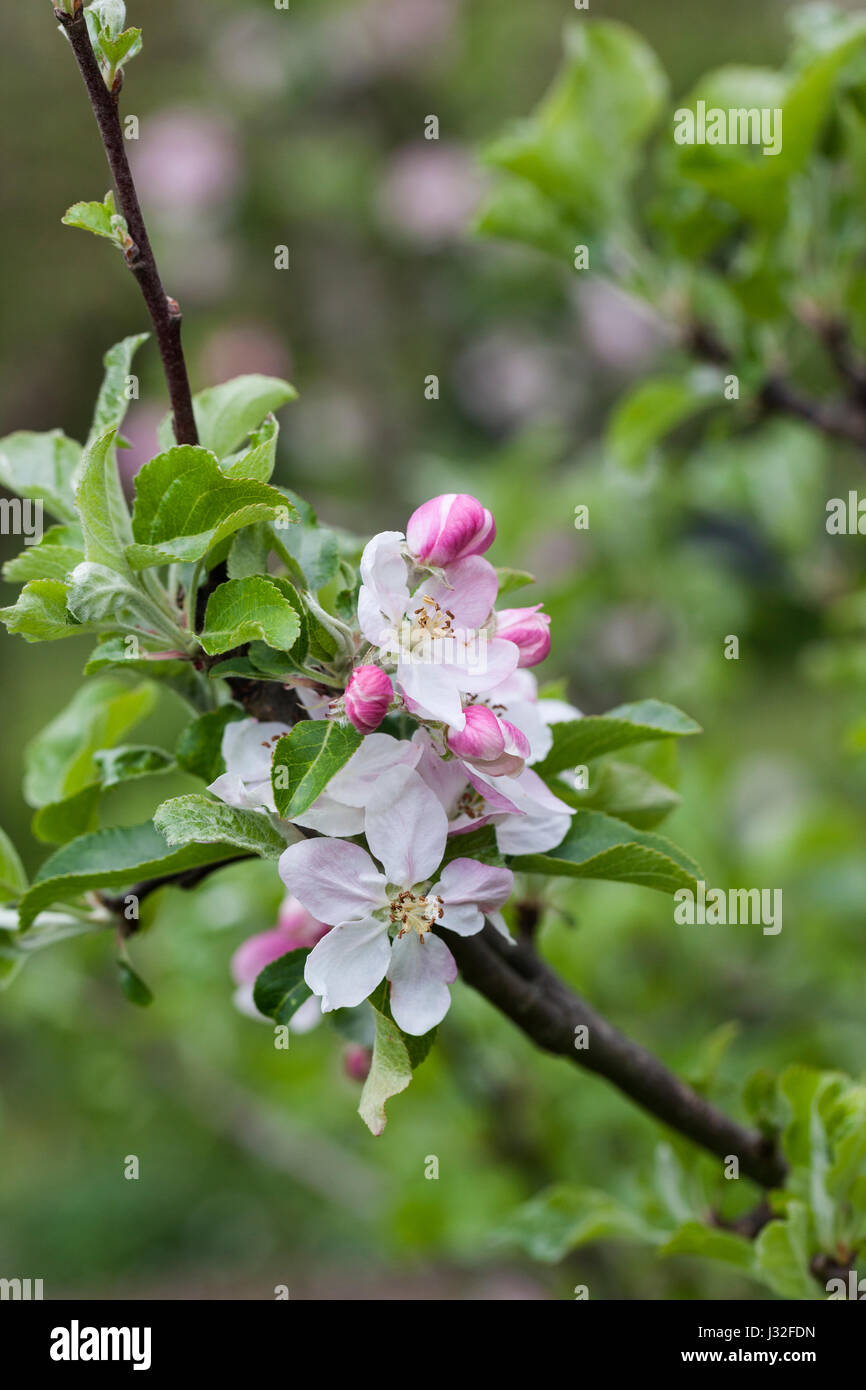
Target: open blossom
[[436, 637], [528, 818], [248, 751], [340, 809], [448, 528], [528, 629], [368, 695], [296, 928], [383, 919]]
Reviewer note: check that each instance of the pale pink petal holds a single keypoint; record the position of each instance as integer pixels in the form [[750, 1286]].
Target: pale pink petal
[[470, 881], [334, 879], [348, 963], [435, 691], [530, 833], [468, 591], [406, 827], [420, 972]]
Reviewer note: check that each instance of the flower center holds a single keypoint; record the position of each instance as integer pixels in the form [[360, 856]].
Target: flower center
[[431, 620], [470, 803], [414, 912]]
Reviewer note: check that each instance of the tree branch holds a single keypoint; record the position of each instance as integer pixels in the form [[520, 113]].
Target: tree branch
[[164, 312], [526, 990], [837, 419]]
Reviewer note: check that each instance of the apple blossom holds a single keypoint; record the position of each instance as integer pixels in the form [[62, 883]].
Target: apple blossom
[[383, 919], [489, 742], [296, 928], [435, 638], [448, 528], [528, 629], [368, 695]]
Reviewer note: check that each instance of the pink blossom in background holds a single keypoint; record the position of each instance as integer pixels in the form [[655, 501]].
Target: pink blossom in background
[[139, 428], [505, 379], [429, 193], [356, 1062], [364, 42], [622, 333], [185, 162], [296, 928], [243, 349]]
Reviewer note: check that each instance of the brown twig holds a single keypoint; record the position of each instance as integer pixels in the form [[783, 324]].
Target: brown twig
[[164, 312], [526, 990]]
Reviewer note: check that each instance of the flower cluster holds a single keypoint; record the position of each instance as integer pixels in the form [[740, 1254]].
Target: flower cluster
[[431, 648]]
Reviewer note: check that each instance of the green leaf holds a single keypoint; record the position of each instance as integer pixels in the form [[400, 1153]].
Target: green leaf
[[111, 403], [115, 858], [655, 408], [102, 219], [130, 762], [249, 551], [259, 460], [64, 820], [59, 551], [60, 760], [246, 610], [598, 846], [13, 879], [39, 613], [390, 1070], [510, 580], [563, 1218], [75, 815], [102, 507], [42, 466], [133, 986], [196, 819], [199, 746], [280, 989], [226, 415], [782, 1253], [693, 1238], [315, 550], [624, 790], [305, 761], [185, 505], [582, 147], [577, 741], [101, 597]]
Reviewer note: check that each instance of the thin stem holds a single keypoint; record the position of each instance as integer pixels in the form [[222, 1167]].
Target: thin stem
[[164, 312], [526, 990]]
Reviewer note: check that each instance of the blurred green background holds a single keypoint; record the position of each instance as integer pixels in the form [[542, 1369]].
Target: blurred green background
[[305, 128]]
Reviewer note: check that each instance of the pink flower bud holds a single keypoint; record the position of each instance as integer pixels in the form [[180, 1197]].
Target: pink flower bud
[[482, 738], [356, 1062], [368, 695], [527, 629], [449, 528], [492, 744]]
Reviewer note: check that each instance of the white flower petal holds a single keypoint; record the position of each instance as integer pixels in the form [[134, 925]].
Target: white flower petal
[[347, 964], [434, 690], [406, 827], [334, 879], [469, 881], [532, 833], [332, 817], [420, 971]]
